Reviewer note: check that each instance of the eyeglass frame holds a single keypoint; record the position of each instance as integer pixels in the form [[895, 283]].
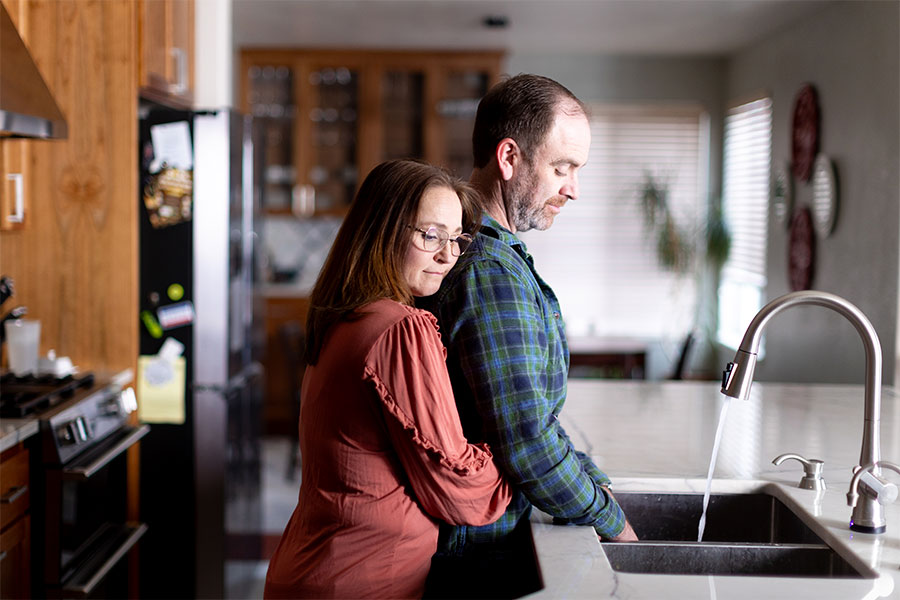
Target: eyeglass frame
[[454, 243]]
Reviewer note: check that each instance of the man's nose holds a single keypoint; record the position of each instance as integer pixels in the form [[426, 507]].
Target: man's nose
[[570, 188]]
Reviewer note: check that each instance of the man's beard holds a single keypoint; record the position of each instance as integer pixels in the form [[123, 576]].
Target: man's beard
[[523, 212]]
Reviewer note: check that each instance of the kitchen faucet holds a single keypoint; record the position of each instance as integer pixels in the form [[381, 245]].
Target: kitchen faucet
[[868, 513]]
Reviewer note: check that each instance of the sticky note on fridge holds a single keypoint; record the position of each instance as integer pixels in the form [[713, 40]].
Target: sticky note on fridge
[[175, 315], [160, 389], [172, 146]]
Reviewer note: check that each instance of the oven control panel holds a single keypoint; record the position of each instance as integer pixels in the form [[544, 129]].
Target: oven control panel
[[76, 431], [85, 421]]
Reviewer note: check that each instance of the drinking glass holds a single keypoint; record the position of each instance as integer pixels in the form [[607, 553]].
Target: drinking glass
[[22, 340]]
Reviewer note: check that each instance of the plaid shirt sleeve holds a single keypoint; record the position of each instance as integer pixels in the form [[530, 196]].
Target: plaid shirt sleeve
[[499, 321]]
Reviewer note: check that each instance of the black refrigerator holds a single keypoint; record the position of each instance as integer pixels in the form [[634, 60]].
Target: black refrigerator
[[200, 475]]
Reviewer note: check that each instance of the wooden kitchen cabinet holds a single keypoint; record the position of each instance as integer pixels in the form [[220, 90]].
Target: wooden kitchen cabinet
[[330, 116], [75, 261], [167, 51], [282, 372], [14, 204], [15, 524], [14, 153]]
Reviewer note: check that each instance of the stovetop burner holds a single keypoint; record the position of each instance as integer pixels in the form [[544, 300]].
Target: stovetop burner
[[29, 395]]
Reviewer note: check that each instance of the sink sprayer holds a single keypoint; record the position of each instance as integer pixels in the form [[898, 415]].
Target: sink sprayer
[[868, 512]]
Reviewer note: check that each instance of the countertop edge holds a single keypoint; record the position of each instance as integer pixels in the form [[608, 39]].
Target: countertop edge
[[14, 431]]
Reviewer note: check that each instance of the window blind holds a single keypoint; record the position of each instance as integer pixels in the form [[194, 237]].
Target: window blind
[[600, 256], [747, 158]]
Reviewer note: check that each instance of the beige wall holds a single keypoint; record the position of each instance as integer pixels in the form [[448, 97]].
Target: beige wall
[[213, 55], [850, 52]]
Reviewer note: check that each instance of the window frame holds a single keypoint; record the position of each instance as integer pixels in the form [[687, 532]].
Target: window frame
[[746, 195]]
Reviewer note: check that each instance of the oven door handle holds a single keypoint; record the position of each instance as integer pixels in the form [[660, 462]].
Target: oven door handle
[[82, 472], [84, 590]]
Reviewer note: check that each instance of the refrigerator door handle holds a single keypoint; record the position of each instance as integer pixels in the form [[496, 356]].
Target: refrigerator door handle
[[239, 381]]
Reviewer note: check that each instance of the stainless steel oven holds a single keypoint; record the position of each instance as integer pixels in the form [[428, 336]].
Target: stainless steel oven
[[80, 530]]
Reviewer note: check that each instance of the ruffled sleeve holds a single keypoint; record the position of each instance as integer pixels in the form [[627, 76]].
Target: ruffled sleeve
[[453, 480]]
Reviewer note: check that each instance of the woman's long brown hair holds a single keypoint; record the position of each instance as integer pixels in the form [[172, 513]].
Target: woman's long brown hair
[[366, 259]]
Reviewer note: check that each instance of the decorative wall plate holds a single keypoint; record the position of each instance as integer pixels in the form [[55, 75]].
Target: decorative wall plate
[[805, 132], [782, 194], [825, 199], [801, 250]]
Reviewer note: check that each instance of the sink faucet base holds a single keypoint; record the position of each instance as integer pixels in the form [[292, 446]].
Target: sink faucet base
[[864, 529]]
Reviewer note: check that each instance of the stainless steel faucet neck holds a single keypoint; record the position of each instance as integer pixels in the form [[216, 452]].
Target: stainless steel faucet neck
[[738, 377]]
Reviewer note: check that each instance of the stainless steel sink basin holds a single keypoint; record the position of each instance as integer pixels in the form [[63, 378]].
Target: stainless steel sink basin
[[746, 534], [711, 558], [748, 518]]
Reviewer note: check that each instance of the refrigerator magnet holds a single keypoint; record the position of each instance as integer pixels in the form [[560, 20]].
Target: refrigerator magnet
[[168, 197], [175, 315]]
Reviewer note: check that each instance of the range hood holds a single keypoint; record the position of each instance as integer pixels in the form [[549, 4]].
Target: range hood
[[27, 109]]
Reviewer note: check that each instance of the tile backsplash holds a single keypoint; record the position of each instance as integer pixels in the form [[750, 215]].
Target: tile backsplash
[[294, 250]]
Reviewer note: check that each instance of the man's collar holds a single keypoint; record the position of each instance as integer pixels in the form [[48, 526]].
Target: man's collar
[[502, 233]]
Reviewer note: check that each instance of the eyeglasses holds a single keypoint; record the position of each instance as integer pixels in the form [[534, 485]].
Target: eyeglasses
[[433, 239]]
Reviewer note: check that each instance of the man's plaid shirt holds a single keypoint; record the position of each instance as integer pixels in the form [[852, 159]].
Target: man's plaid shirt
[[508, 361]]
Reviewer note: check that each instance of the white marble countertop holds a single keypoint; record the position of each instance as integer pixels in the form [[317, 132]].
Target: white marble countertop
[[289, 289], [659, 437], [13, 431]]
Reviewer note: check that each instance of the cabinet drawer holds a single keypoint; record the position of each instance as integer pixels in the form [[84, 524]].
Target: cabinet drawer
[[14, 492], [15, 560]]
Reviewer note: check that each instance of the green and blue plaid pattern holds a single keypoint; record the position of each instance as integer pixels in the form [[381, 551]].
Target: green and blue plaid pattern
[[508, 361]]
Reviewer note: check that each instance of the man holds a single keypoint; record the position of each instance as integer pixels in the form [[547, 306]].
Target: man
[[501, 323]]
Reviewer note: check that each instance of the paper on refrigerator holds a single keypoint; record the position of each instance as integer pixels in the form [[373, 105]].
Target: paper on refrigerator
[[160, 385]]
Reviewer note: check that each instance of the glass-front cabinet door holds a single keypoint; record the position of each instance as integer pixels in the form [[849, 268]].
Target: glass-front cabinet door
[[402, 101], [330, 116], [329, 137], [270, 98], [462, 89]]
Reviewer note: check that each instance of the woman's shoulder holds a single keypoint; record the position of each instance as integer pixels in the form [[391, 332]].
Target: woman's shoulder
[[390, 312], [397, 327]]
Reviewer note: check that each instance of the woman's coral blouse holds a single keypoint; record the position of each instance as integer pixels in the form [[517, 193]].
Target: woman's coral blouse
[[384, 457]]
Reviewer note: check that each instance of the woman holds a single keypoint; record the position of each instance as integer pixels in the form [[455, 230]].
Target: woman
[[384, 455]]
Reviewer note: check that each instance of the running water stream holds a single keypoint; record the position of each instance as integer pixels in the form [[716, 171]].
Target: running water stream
[[712, 466]]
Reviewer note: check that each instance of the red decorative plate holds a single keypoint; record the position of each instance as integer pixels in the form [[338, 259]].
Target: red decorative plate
[[801, 250], [805, 132]]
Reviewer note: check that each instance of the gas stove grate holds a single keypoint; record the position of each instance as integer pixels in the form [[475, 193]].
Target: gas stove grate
[[29, 395]]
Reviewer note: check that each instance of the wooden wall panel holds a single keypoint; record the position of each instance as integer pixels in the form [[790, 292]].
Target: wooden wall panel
[[75, 261]]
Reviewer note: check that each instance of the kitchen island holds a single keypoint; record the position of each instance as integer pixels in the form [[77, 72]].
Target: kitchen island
[[658, 436]]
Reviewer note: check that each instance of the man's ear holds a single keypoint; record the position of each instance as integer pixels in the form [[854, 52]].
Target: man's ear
[[508, 157]]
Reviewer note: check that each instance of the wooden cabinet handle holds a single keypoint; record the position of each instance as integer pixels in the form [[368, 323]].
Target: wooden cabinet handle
[[14, 494], [181, 71], [303, 200], [18, 216]]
